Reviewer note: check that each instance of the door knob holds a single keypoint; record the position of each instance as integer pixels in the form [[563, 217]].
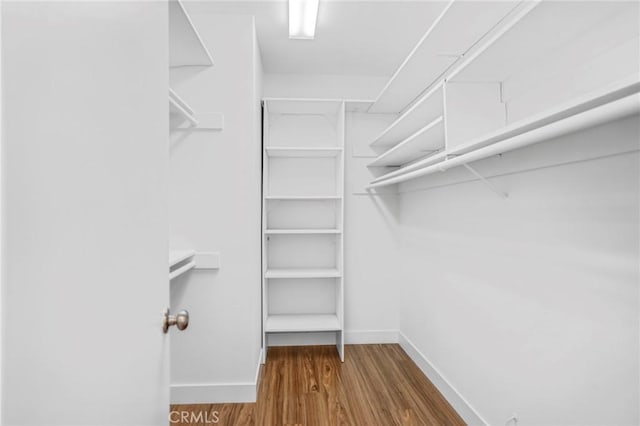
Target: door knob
[[181, 320]]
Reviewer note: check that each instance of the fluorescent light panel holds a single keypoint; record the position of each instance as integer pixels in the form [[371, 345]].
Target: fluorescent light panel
[[303, 15]]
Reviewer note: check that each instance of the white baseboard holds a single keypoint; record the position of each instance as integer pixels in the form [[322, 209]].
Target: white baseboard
[[213, 393], [457, 401], [370, 337], [257, 377], [217, 393], [302, 339]]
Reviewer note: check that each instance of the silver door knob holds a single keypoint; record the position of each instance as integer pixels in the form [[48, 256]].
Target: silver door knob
[[181, 320]]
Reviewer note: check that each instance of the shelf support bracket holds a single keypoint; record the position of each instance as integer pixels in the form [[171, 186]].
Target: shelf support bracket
[[489, 185]]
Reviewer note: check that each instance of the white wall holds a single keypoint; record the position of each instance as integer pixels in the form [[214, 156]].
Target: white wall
[[215, 206], [371, 243], [323, 86], [529, 305]]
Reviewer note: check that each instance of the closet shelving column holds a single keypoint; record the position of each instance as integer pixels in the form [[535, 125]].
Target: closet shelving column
[[517, 85], [187, 49], [303, 218]]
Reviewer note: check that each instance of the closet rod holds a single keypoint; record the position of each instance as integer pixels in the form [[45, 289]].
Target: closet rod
[[602, 114]]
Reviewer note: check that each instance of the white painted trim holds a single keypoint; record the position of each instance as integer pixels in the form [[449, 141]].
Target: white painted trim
[[457, 401], [2, 215], [258, 368], [217, 393], [370, 337], [213, 393]]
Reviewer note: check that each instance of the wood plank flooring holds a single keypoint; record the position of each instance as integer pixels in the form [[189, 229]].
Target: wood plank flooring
[[378, 385]]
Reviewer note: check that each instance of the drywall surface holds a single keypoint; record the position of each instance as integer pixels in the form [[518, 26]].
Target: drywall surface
[[85, 167], [529, 305], [323, 86], [371, 243], [215, 206]]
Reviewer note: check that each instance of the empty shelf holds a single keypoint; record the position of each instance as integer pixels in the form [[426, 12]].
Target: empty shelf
[[281, 151], [302, 323], [302, 273], [427, 161], [424, 142], [177, 106], [302, 231], [448, 38], [177, 256], [303, 197], [424, 111], [181, 270], [586, 102], [303, 106], [186, 48], [523, 45]]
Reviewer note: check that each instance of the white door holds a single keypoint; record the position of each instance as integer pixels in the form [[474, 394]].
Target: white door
[[85, 222]]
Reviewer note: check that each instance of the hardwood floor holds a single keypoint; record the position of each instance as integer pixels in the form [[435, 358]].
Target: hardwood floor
[[309, 386]]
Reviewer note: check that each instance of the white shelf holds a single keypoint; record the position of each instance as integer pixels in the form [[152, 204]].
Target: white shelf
[[424, 142], [177, 256], [425, 110], [427, 161], [540, 30], [302, 152], [304, 165], [303, 106], [302, 273], [186, 47], [181, 270], [186, 118], [178, 107], [575, 106], [302, 323], [302, 197], [617, 101], [449, 37], [301, 231]]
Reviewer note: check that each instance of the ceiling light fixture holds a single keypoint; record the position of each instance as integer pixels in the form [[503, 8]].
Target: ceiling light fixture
[[303, 15]]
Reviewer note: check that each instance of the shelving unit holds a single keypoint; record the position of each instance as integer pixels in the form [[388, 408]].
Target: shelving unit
[[548, 68], [450, 36], [302, 273], [303, 210], [182, 261], [302, 323], [302, 231], [186, 47], [178, 256], [180, 109], [427, 108], [425, 141], [288, 151], [302, 197]]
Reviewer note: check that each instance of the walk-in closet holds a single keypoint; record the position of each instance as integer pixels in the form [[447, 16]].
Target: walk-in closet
[[320, 212]]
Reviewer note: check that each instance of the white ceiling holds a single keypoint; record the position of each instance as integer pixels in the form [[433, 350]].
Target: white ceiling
[[352, 37]]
